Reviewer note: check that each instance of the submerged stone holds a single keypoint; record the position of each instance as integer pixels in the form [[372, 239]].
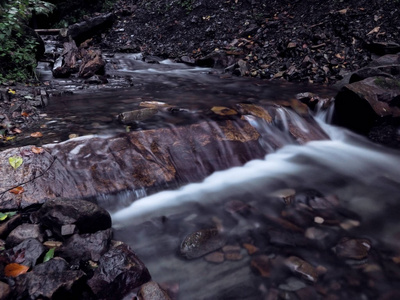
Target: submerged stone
[[152, 291], [201, 242]]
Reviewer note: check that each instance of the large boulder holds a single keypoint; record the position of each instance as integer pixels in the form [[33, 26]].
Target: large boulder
[[90, 166], [359, 105], [119, 272]]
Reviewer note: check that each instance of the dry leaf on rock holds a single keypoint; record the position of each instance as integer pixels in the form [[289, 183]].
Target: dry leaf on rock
[[18, 190], [36, 134], [13, 270]]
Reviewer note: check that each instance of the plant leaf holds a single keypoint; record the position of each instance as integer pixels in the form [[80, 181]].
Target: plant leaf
[[49, 255], [6, 215], [18, 190], [13, 270], [15, 161]]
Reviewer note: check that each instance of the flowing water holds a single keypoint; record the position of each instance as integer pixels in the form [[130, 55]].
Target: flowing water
[[341, 189]]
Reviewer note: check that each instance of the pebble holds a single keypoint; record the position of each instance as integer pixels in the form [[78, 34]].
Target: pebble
[[353, 248], [261, 264]]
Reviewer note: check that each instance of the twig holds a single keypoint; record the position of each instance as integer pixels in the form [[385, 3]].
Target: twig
[[30, 180]]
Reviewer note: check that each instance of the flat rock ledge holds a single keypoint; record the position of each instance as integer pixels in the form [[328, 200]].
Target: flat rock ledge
[[64, 250], [85, 167]]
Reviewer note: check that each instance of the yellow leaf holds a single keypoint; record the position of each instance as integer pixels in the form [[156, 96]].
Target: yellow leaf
[[223, 111]]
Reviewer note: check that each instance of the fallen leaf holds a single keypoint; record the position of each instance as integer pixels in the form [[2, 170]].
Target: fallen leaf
[[10, 91], [223, 111], [375, 30], [15, 161], [49, 255], [9, 138], [18, 190], [343, 11], [24, 114], [36, 134], [37, 150], [6, 215], [17, 130], [13, 270]]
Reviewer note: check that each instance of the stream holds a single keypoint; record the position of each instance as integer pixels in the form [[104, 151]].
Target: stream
[[339, 189]]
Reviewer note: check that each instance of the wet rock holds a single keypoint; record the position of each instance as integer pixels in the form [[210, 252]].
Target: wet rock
[[8, 225], [152, 291], [23, 232], [92, 63], [86, 216], [287, 195], [215, 257], [27, 252], [261, 264], [256, 111], [118, 273], [369, 100], [67, 63], [201, 242], [292, 284], [138, 115], [232, 252], [82, 247], [97, 79], [382, 48], [49, 280], [353, 248], [251, 249], [301, 267], [4, 291]]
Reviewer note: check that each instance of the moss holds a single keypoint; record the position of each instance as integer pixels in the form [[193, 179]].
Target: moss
[[387, 83]]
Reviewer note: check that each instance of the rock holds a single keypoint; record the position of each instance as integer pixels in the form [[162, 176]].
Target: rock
[[215, 257], [201, 242], [97, 79], [92, 63], [255, 110], [287, 195], [152, 291], [119, 272], [8, 225], [301, 267], [67, 63], [261, 263], [50, 280], [27, 252], [23, 232], [292, 284], [382, 48], [4, 291], [85, 215], [369, 100], [137, 115], [251, 249], [232, 252], [353, 248], [82, 247]]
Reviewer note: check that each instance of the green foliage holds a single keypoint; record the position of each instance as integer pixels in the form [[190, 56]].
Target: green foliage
[[49, 255], [6, 215], [17, 48], [15, 161]]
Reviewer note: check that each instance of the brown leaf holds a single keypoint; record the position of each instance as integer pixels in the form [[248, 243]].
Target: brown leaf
[[24, 114], [13, 270], [375, 30], [36, 134], [223, 111], [37, 150], [18, 190]]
